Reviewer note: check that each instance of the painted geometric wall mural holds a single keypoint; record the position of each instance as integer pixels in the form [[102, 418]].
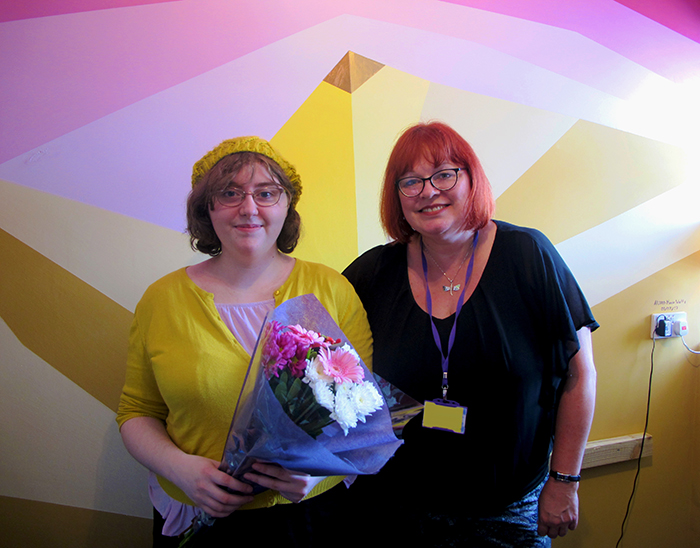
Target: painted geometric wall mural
[[584, 115]]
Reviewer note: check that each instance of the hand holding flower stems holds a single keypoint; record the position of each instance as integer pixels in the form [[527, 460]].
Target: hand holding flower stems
[[210, 488], [293, 486], [198, 477]]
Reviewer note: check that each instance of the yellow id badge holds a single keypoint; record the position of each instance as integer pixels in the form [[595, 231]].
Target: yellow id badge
[[444, 415]]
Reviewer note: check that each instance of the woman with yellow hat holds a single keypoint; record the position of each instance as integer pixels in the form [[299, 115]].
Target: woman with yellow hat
[[191, 340]]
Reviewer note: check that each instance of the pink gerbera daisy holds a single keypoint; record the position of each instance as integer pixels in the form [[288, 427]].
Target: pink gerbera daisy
[[342, 364]]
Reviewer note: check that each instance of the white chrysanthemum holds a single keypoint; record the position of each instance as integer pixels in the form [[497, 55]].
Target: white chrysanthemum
[[314, 372], [323, 394], [320, 383], [344, 411], [366, 399]]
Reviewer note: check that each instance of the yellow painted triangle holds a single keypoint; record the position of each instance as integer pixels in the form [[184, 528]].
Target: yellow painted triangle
[[352, 71], [317, 140]]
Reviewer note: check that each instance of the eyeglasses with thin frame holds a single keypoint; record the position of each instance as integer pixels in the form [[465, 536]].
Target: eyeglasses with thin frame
[[445, 179], [264, 196]]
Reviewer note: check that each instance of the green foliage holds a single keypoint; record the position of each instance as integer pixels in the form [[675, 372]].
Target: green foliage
[[299, 403]]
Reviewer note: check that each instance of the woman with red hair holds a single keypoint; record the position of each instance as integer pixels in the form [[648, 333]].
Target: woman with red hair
[[484, 322]]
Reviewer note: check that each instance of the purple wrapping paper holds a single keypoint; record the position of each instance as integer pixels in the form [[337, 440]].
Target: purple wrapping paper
[[260, 429]]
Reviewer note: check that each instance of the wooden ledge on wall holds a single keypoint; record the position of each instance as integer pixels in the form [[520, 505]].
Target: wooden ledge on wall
[[612, 450]]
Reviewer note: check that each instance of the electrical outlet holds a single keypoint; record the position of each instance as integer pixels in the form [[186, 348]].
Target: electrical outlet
[[663, 324]]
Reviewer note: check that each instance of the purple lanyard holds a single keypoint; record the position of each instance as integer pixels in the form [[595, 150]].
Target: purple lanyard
[[460, 302]]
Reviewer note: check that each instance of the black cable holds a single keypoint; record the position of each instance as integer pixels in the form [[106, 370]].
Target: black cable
[[641, 449]]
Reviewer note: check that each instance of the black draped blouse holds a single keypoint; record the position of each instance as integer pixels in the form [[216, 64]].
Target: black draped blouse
[[515, 336]]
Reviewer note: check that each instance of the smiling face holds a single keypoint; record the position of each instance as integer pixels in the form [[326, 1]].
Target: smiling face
[[249, 228], [436, 213], [423, 149]]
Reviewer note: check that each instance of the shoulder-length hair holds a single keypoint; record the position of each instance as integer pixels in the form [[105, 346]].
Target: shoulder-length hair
[[200, 201], [436, 143]]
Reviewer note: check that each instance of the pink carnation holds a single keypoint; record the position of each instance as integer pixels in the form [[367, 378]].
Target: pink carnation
[[279, 349], [306, 337], [287, 344], [288, 347], [297, 368]]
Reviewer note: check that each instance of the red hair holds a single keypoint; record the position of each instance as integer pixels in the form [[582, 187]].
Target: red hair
[[436, 143]]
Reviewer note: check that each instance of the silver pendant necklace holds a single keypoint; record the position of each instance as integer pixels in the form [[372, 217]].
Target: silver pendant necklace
[[453, 286]]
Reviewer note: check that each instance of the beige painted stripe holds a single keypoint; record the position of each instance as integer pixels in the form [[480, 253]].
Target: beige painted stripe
[[40, 408], [507, 137], [25, 523], [382, 108], [118, 255], [618, 253], [592, 174], [66, 322]]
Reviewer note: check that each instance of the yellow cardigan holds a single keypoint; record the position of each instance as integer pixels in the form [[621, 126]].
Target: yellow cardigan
[[185, 367]]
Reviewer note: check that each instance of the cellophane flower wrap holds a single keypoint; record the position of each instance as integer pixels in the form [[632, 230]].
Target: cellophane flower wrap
[[308, 403]]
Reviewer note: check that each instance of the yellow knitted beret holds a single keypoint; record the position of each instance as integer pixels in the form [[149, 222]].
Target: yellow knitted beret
[[246, 144]]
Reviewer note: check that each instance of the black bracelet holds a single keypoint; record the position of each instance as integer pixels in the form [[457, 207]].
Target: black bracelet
[[566, 478]]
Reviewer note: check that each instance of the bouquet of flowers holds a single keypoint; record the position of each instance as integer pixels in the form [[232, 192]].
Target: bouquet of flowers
[[317, 379], [308, 402]]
